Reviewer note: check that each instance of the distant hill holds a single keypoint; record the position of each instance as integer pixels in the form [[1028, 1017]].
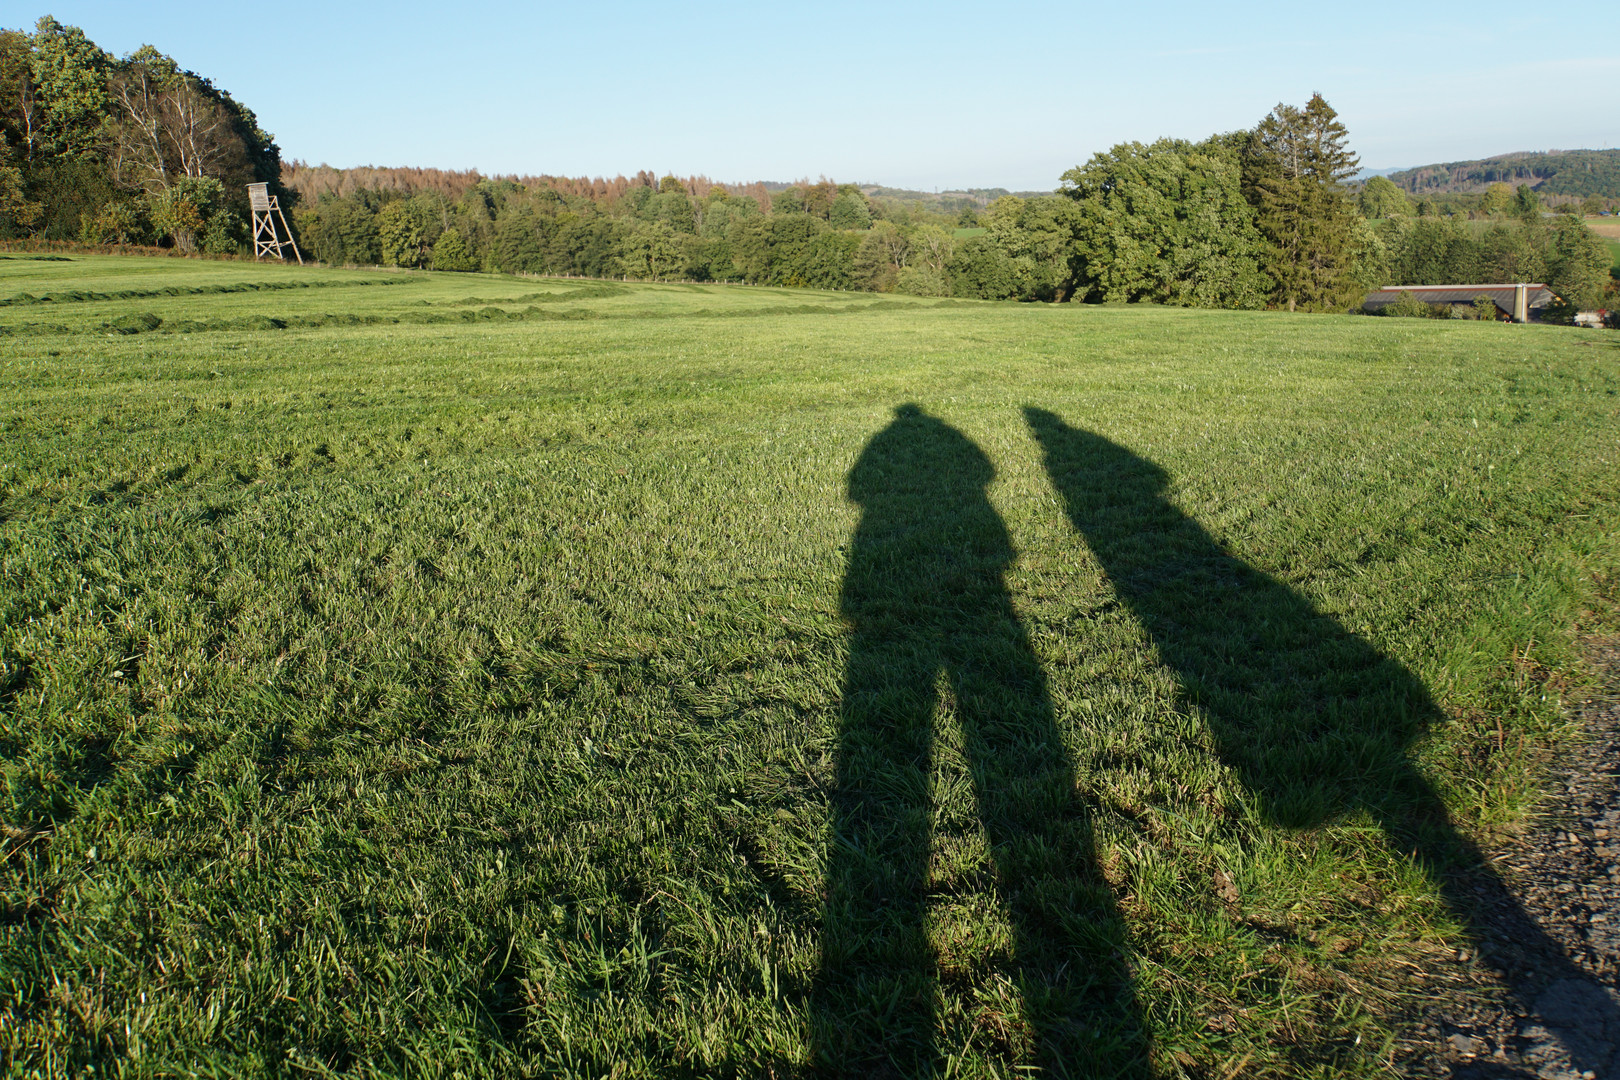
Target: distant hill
[[946, 202], [1576, 173]]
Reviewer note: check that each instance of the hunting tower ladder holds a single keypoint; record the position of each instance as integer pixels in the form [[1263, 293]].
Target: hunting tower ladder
[[266, 241]]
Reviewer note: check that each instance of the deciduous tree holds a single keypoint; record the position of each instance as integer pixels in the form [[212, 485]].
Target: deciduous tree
[[1497, 200], [401, 234], [1166, 223], [451, 252], [1382, 198], [69, 79], [849, 211]]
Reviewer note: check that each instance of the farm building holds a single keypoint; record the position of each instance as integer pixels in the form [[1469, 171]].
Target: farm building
[[1517, 302]]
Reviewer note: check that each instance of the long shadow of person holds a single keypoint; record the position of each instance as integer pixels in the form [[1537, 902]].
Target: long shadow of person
[[925, 595], [1314, 720]]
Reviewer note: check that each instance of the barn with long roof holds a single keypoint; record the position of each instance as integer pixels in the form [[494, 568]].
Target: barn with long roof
[[1515, 302]]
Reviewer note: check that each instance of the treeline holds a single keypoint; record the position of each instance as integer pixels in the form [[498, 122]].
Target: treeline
[[818, 235], [1576, 174], [127, 151], [316, 182], [140, 151], [1241, 220], [1248, 219], [1506, 237]]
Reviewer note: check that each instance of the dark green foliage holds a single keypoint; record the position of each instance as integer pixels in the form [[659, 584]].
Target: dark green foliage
[[826, 261], [672, 208], [1408, 306], [1577, 263], [719, 215], [1427, 251], [981, 269], [849, 211], [1563, 172], [1507, 251], [87, 133], [787, 201], [450, 252], [225, 233], [1038, 235], [1294, 166], [650, 251], [882, 255], [345, 233], [1565, 255], [1167, 223], [517, 244], [585, 246], [402, 234], [69, 77], [67, 189], [786, 236], [1525, 203]]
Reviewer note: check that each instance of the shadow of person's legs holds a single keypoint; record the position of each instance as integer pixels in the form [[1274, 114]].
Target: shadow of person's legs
[[873, 997], [1068, 936], [925, 595], [1313, 719]]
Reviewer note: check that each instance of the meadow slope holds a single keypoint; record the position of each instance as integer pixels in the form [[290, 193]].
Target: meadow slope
[[447, 674]]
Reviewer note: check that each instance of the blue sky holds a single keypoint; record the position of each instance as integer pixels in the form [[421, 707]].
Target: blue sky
[[906, 94]]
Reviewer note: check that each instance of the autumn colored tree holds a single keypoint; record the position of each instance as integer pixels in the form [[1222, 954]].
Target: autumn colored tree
[[818, 198]]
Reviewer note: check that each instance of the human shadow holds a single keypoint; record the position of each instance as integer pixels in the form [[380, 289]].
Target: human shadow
[[1316, 722], [925, 595]]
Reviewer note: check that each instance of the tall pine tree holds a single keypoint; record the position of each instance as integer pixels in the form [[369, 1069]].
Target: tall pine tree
[[1294, 169]]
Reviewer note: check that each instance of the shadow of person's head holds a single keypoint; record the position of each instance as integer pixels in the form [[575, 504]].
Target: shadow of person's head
[[920, 457], [1092, 465]]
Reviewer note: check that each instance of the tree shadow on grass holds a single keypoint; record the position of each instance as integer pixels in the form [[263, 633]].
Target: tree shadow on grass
[[1316, 722], [925, 595]]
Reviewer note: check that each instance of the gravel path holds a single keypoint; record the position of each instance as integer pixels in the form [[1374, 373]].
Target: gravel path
[[1542, 998]]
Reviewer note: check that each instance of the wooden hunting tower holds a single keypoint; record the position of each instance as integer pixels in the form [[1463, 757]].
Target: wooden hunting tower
[[266, 241]]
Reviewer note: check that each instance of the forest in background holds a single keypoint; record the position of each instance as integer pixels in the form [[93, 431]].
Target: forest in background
[[1590, 177], [139, 151]]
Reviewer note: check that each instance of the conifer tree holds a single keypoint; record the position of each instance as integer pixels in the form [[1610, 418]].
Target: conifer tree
[[1294, 170]]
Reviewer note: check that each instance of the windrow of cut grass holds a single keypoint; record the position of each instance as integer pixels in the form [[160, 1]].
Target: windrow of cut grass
[[738, 681]]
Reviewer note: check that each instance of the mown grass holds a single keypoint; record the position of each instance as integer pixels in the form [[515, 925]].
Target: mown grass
[[735, 681]]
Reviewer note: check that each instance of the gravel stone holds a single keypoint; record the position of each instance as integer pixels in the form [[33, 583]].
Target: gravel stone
[[1545, 1004]]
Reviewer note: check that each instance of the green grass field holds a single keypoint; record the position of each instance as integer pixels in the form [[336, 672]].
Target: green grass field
[[1608, 230], [409, 674]]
